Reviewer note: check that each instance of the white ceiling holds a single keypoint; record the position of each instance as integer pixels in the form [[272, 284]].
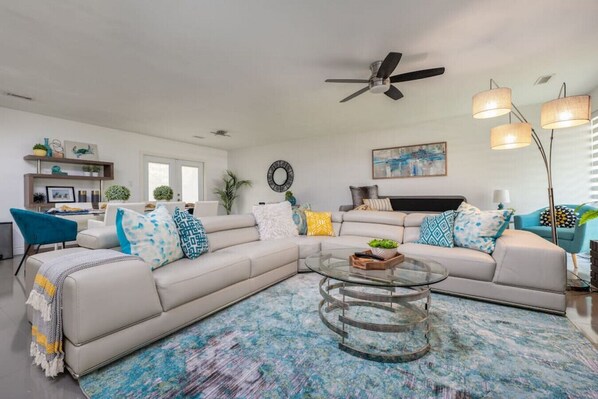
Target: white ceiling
[[256, 68]]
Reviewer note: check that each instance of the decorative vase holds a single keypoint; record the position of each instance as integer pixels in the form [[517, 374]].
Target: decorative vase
[[40, 153], [95, 174], [86, 173], [48, 148], [385, 253], [292, 200]]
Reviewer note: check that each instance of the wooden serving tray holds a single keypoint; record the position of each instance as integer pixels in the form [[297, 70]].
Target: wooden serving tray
[[372, 264]]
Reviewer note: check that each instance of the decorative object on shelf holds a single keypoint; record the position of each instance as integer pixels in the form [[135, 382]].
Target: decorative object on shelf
[[117, 193], [56, 170], [86, 170], [48, 148], [420, 160], [565, 217], [95, 170], [76, 150], [39, 198], [560, 113], [57, 149], [82, 196], [288, 196], [280, 176], [95, 199], [163, 193], [228, 193], [57, 194], [39, 150], [501, 197], [383, 248]]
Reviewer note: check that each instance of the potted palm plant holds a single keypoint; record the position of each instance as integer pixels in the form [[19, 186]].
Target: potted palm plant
[[228, 193]]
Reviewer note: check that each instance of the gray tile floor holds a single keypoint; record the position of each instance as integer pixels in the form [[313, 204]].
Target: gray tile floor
[[20, 379]]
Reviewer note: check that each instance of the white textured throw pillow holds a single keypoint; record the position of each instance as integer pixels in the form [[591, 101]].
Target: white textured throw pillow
[[275, 221], [380, 204]]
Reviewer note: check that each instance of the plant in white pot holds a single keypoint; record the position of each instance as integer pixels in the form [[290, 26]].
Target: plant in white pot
[[86, 170], [117, 193], [384, 248], [163, 193], [95, 170]]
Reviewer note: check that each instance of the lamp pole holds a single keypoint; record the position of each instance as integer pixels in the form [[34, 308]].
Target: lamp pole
[[546, 158]]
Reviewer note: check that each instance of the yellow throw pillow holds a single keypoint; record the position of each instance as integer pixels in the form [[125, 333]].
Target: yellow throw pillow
[[319, 223]]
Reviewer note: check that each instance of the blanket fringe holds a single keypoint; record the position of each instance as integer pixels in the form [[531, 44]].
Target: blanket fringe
[[39, 303], [51, 368]]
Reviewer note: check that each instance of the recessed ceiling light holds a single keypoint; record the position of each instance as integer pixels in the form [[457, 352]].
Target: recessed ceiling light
[[199, 137], [543, 79], [15, 95]]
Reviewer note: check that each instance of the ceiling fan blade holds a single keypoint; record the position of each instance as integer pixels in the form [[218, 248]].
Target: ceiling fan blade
[[424, 73], [388, 65], [346, 80], [394, 93], [355, 94]]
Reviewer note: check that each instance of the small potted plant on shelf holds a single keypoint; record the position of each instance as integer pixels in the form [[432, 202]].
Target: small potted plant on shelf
[[40, 150], [86, 170], [95, 170], [117, 193], [39, 198], [383, 248], [163, 193]]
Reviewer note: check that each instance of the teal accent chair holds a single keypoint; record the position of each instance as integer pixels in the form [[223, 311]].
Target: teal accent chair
[[41, 229], [572, 240]]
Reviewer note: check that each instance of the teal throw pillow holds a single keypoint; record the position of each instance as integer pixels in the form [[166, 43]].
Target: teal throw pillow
[[476, 229], [194, 240], [300, 221], [153, 237], [437, 230]]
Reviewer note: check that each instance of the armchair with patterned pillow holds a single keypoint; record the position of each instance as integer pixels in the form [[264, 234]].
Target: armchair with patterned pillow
[[572, 237]]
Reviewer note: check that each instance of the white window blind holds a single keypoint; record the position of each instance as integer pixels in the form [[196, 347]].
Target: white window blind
[[594, 170]]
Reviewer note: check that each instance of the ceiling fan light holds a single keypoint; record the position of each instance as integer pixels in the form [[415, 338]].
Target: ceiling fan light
[[566, 112], [491, 103], [510, 136]]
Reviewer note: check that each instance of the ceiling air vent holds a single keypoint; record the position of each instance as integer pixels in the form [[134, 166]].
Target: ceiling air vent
[[9, 94], [543, 79], [199, 137]]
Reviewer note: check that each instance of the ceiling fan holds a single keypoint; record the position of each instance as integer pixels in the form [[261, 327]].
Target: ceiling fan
[[221, 133], [380, 80]]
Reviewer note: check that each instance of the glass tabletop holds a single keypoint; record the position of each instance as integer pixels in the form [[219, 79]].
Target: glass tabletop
[[412, 272]]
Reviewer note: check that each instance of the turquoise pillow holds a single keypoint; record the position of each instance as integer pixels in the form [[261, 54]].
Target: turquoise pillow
[[437, 230], [300, 221], [153, 237], [194, 240], [476, 229]]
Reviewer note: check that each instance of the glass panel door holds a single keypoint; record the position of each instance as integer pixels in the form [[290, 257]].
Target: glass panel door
[[184, 177]]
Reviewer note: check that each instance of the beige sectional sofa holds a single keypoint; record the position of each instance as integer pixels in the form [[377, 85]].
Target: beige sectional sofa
[[112, 310]]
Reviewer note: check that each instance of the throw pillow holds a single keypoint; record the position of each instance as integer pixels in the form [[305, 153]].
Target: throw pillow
[[275, 221], [565, 217], [382, 204], [363, 207], [300, 221], [438, 230], [358, 194], [153, 237], [194, 240], [478, 229], [319, 223]]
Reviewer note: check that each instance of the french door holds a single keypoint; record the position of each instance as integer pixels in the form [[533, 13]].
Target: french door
[[186, 178]]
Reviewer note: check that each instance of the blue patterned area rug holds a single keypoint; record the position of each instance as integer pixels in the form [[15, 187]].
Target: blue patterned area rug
[[273, 345]]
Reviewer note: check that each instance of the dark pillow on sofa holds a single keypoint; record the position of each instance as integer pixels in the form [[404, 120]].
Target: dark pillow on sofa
[[358, 194], [565, 217]]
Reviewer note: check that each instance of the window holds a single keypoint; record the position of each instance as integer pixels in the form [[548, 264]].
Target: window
[[184, 177]]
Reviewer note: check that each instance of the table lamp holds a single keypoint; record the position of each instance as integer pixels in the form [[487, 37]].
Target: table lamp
[[501, 197]]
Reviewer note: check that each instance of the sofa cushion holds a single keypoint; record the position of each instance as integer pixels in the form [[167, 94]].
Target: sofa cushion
[[194, 240], [275, 221], [416, 219], [478, 229], [308, 245], [228, 238], [411, 234], [563, 233], [460, 262], [228, 222], [98, 238], [372, 230], [379, 204], [381, 217], [266, 255], [358, 194], [356, 242], [188, 279]]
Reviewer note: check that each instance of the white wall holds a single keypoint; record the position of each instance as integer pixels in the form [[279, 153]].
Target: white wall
[[20, 130], [325, 167]]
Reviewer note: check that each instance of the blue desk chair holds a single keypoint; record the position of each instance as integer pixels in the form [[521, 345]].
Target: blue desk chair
[[40, 229], [573, 240]]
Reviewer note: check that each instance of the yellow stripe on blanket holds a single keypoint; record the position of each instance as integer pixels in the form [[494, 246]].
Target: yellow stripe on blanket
[[45, 284], [53, 347]]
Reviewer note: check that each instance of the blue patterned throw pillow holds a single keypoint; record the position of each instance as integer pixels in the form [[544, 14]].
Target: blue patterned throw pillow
[[476, 229], [153, 237], [194, 239], [438, 230]]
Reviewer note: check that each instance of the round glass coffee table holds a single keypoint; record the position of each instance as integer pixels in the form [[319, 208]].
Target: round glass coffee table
[[380, 315]]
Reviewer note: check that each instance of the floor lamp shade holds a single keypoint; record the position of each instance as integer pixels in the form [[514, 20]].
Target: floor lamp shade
[[491, 103], [566, 112], [511, 135]]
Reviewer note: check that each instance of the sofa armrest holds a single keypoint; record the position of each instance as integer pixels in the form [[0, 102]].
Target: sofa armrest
[[345, 208], [98, 238], [95, 224], [107, 298], [526, 260], [531, 219]]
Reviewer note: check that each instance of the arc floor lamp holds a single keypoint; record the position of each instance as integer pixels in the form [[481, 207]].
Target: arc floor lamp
[[556, 114]]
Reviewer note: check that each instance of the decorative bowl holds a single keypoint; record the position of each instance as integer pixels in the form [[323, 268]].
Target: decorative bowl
[[385, 253]]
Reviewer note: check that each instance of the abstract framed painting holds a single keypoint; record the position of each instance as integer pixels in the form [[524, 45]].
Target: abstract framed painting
[[421, 160]]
